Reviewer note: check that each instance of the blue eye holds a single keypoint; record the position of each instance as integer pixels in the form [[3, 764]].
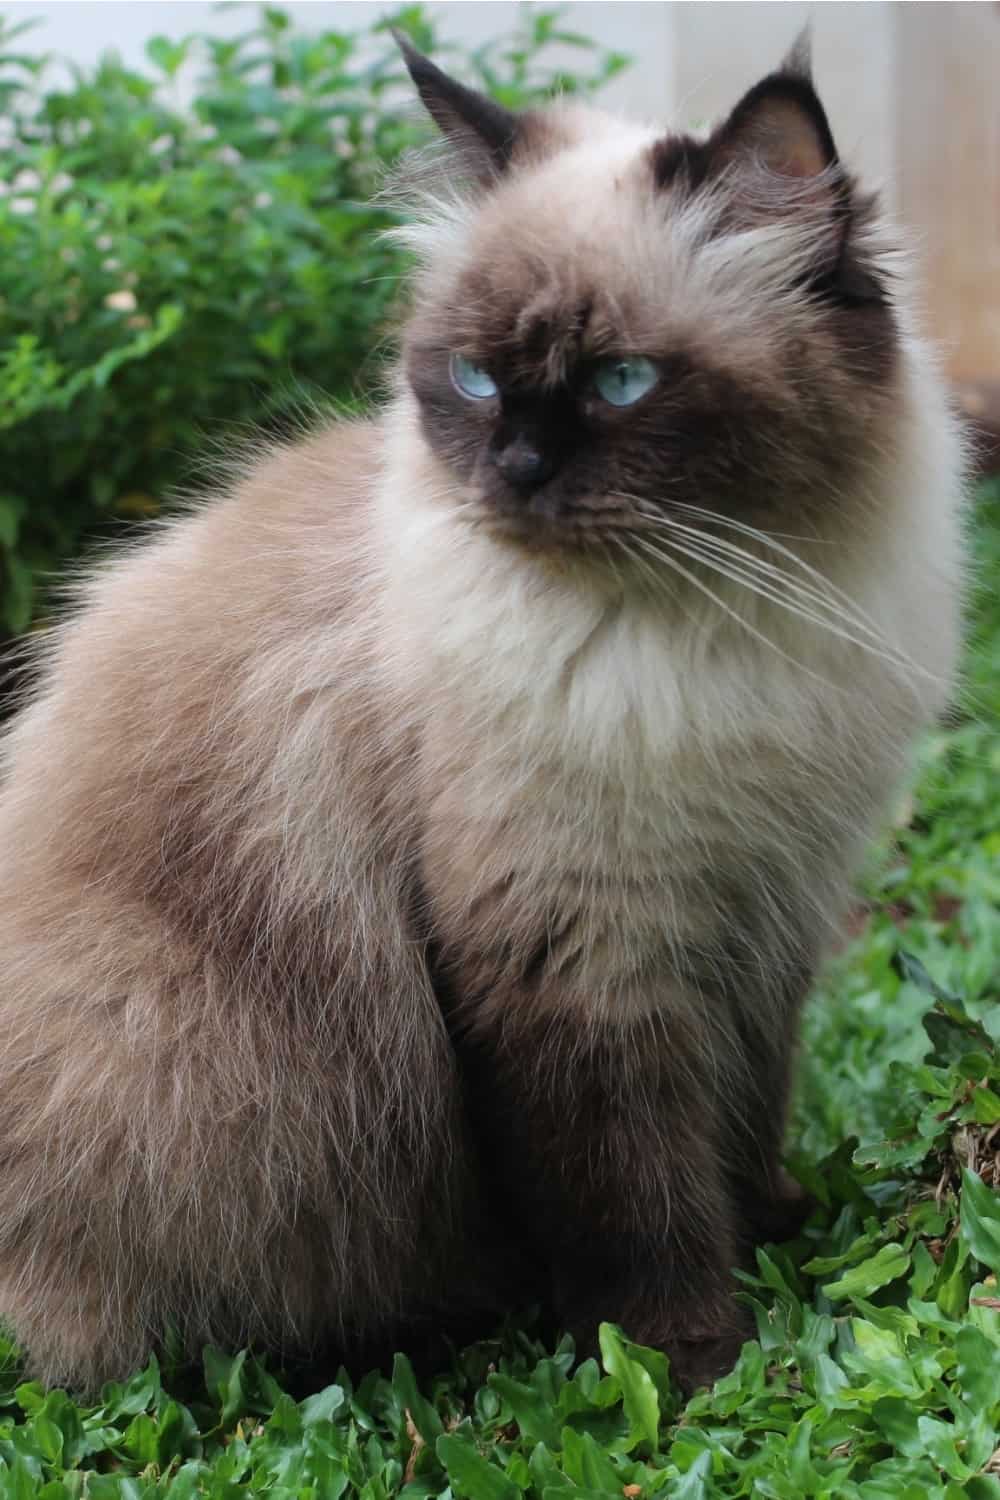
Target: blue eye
[[621, 382], [471, 380]]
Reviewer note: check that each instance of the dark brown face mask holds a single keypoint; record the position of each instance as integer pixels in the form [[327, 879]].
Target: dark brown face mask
[[540, 446]]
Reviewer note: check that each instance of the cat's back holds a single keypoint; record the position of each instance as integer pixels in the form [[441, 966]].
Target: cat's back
[[181, 696], [281, 548]]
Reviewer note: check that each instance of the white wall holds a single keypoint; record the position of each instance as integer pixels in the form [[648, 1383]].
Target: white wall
[[83, 29], [718, 49]]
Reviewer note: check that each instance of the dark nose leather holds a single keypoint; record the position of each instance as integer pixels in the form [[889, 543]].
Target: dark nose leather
[[523, 465]]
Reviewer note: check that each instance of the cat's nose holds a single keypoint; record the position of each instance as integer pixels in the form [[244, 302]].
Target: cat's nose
[[523, 464]]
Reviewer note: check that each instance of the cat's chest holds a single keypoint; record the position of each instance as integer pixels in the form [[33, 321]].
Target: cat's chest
[[614, 808], [593, 890], [600, 740], [600, 817]]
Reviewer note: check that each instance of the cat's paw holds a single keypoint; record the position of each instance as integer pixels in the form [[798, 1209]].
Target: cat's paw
[[703, 1343], [699, 1326], [779, 1215], [702, 1361]]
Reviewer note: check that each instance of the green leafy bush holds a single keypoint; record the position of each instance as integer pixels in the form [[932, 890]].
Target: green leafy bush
[[169, 275]]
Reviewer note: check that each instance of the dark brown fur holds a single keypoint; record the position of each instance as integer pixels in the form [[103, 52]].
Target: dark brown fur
[[720, 414]]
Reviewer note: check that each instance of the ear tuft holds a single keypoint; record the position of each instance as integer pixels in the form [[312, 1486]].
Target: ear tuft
[[797, 61], [485, 132]]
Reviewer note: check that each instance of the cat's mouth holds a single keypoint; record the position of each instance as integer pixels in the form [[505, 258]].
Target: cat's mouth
[[592, 522]]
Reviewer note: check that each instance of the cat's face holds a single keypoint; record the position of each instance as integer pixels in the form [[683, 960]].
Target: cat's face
[[615, 326]]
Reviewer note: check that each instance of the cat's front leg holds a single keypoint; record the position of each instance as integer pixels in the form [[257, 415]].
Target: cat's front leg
[[604, 1139], [770, 1204]]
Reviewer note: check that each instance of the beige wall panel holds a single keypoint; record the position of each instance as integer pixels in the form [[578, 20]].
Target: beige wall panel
[[948, 168], [720, 50]]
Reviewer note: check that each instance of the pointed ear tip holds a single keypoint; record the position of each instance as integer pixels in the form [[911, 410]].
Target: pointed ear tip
[[405, 45], [798, 59]]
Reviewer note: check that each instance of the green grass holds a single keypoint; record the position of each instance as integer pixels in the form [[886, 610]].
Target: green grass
[[876, 1372]]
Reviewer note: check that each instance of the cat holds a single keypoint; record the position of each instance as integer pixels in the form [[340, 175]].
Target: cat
[[414, 858]]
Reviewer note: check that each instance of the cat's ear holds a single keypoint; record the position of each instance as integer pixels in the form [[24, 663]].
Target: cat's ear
[[484, 132], [775, 155], [774, 161], [779, 126]]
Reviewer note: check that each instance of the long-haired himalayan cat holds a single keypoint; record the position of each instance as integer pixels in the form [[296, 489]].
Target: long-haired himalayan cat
[[414, 859]]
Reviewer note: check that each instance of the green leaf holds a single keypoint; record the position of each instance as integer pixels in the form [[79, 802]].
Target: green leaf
[[890, 1262], [879, 1354], [952, 1294], [984, 1105], [17, 597], [657, 1367], [978, 1369], [980, 1220], [12, 508], [166, 323], [694, 1484], [587, 1465], [324, 1406], [470, 1475], [177, 1434], [141, 1439], [137, 1394], [639, 1394], [225, 1379], [821, 1265], [48, 1438], [532, 1410], [909, 967], [938, 1440], [546, 1473], [830, 1381], [167, 55], [425, 1418]]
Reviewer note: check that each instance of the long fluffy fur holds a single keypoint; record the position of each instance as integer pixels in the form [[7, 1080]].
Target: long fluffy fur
[[324, 726]]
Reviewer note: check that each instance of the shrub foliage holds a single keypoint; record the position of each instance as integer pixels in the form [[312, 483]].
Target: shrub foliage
[[174, 269]]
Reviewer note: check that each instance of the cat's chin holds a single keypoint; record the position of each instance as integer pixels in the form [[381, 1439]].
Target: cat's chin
[[584, 530]]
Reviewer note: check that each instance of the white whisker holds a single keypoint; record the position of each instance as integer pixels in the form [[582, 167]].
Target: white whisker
[[741, 556], [821, 604], [652, 576], [671, 562], [769, 539], [768, 591]]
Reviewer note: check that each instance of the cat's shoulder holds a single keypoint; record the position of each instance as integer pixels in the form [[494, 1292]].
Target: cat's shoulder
[[327, 470]]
